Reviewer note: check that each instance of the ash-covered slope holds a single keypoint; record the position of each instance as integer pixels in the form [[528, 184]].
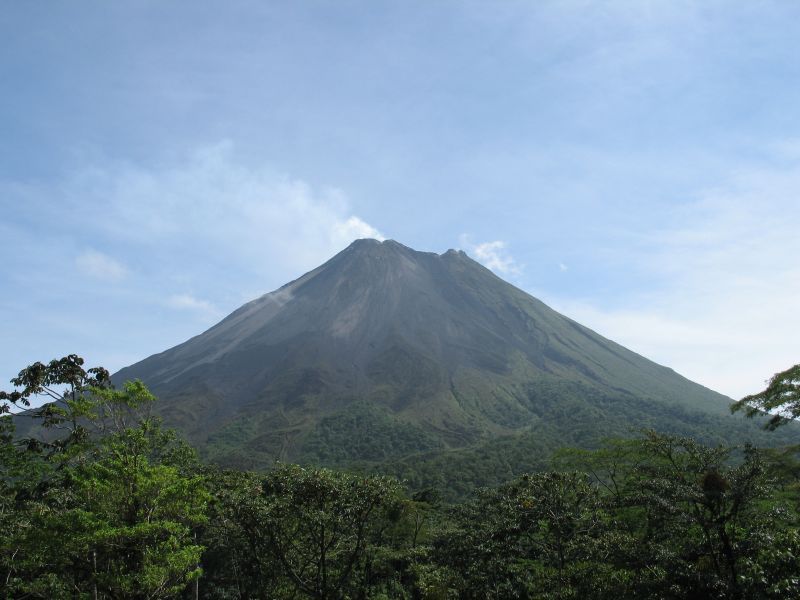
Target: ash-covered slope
[[383, 352]]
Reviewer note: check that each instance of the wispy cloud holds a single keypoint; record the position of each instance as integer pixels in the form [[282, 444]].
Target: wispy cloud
[[354, 228], [494, 255], [189, 302], [729, 285], [207, 216], [100, 266]]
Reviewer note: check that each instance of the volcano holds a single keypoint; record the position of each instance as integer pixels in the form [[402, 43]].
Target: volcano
[[385, 355]]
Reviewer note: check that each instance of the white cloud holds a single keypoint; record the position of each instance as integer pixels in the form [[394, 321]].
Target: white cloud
[[189, 302], [726, 311], [494, 255], [100, 266], [208, 211], [354, 228], [562, 267]]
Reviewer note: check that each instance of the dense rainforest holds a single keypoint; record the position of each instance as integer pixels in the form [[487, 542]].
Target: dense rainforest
[[106, 503]]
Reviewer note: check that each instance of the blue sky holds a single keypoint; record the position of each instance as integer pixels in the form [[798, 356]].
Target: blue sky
[[636, 165]]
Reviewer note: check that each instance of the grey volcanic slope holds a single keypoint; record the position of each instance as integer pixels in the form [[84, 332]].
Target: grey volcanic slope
[[384, 352]]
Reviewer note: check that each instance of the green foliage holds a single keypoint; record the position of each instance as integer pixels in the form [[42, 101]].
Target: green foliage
[[365, 432], [105, 506], [532, 538], [566, 422], [301, 532], [62, 422], [781, 399], [694, 515], [139, 512], [773, 570]]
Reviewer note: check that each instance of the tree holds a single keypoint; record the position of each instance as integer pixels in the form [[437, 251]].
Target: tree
[[64, 420], [136, 513], [694, 521], [535, 537], [299, 532], [40, 379], [99, 500], [781, 399]]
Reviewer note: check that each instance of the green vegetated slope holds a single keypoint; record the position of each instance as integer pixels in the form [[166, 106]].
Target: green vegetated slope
[[423, 365], [570, 415]]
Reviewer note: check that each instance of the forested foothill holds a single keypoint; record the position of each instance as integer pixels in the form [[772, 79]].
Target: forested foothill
[[106, 503]]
